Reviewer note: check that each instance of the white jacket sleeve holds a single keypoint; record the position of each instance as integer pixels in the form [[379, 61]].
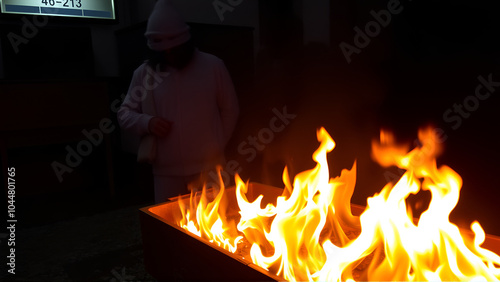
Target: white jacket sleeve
[[130, 115], [227, 102]]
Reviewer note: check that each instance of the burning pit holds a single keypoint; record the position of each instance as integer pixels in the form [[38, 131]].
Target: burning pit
[[310, 231]]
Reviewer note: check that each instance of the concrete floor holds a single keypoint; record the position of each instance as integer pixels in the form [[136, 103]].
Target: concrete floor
[[76, 231], [102, 247]]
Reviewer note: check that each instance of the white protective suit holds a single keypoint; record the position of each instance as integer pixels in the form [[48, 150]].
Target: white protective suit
[[200, 102]]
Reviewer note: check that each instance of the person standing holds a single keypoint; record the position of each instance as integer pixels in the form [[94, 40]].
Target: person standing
[[195, 104]]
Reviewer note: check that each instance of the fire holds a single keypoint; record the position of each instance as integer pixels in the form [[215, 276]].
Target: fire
[[312, 234], [211, 222]]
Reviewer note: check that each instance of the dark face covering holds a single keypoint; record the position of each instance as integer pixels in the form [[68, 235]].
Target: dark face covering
[[177, 57]]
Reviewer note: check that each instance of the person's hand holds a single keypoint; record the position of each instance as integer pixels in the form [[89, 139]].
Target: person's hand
[[159, 127]]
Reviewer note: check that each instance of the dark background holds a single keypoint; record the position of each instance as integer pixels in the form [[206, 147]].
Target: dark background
[[424, 62]]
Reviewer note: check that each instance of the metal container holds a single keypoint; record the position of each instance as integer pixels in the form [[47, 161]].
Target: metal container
[[172, 253]]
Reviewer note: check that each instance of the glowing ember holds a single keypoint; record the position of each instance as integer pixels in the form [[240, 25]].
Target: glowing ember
[[311, 233]]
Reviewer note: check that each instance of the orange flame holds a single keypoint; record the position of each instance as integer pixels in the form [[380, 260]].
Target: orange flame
[[211, 221], [311, 233]]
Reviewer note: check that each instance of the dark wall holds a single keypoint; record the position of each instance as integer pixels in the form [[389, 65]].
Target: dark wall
[[50, 53]]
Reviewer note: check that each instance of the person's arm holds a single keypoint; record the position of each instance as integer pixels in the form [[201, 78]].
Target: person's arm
[[227, 102], [130, 115]]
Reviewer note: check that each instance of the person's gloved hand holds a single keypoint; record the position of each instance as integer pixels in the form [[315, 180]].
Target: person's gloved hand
[[159, 127]]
